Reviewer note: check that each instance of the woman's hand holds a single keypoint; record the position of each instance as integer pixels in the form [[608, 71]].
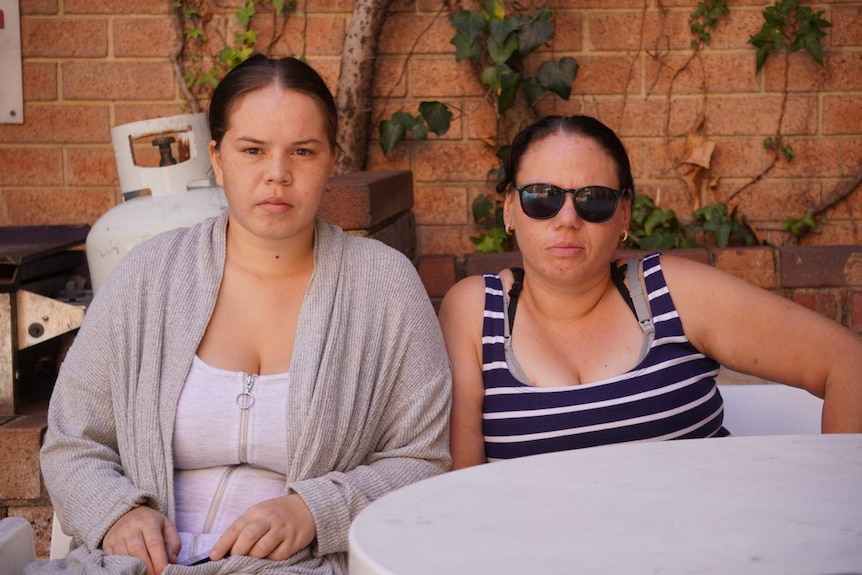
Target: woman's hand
[[145, 534], [274, 529]]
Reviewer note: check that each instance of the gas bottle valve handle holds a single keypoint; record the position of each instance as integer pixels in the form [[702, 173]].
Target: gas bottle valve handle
[[164, 144]]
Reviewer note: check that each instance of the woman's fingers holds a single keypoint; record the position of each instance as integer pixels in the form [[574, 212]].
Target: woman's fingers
[[141, 533], [155, 548], [280, 553], [274, 529], [249, 537], [172, 541], [226, 542]]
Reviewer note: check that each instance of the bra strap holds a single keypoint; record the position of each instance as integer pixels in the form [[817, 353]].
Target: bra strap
[[641, 305], [633, 296], [618, 277], [514, 292]]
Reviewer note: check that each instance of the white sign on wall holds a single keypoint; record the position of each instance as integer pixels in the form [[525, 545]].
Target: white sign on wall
[[11, 85]]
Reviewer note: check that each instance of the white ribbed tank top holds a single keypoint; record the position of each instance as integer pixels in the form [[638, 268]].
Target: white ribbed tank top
[[226, 458]]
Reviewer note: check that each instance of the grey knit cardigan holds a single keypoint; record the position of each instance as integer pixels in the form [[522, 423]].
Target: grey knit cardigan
[[367, 412]]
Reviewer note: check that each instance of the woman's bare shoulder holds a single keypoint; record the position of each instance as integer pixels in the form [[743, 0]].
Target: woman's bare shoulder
[[464, 295]]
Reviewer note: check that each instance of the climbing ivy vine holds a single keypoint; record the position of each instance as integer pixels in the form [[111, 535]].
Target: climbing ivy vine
[[202, 31]]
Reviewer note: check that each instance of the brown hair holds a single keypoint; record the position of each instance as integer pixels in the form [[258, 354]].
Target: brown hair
[[258, 72], [580, 125]]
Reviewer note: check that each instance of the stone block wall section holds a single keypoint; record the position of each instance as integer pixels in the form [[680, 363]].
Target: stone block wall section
[[89, 65], [373, 204], [22, 493], [825, 279]]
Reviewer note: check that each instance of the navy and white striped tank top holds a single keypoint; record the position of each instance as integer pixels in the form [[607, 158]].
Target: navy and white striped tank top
[[670, 394]]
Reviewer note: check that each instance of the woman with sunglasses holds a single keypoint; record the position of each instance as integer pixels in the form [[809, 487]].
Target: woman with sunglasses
[[578, 349], [241, 389]]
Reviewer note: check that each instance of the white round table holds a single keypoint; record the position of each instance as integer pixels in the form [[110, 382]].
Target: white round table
[[776, 505]]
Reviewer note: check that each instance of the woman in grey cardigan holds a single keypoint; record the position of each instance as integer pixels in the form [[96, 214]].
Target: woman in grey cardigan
[[243, 388]]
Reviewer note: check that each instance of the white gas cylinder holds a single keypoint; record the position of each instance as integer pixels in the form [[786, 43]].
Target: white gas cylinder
[[180, 195]]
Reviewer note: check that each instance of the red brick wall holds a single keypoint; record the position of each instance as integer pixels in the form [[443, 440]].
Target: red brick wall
[[93, 64]]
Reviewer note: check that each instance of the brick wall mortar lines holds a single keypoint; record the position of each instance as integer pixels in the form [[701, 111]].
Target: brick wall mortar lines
[[819, 100]]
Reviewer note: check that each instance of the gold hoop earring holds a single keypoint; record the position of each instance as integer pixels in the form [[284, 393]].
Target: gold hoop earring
[[508, 230], [624, 237]]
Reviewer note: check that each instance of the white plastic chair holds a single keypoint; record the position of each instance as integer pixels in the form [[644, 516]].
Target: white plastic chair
[[59, 541], [17, 547], [770, 409]]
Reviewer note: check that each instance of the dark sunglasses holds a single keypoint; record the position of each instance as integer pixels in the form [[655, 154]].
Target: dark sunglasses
[[594, 204]]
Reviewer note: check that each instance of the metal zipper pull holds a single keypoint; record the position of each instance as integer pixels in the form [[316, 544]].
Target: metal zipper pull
[[245, 399]]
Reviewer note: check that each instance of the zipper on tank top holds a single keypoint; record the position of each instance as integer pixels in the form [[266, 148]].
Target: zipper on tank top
[[245, 400], [216, 503]]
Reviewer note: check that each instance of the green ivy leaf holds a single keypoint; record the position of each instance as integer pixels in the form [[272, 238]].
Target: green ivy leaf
[[788, 153], [499, 224], [776, 15], [485, 243], [437, 115], [501, 29], [659, 218], [278, 6], [404, 119], [767, 41], [705, 17], [226, 54], [483, 208], [810, 42], [489, 242], [800, 227], [243, 15], [558, 77], [791, 25], [210, 77], [244, 54], [247, 38], [760, 59], [491, 76], [533, 91], [503, 153], [792, 225], [390, 134], [725, 226], [722, 236], [493, 9], [419, 131], [464, 48], [469, 24], [496, 174], [500, 52], [510, 82], [536, 32]]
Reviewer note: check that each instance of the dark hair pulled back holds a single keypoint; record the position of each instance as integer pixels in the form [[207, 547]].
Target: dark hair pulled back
[[579, 125], [258, 72]]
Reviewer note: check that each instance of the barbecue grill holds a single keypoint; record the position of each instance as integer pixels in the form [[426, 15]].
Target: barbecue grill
[[41, 294]]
